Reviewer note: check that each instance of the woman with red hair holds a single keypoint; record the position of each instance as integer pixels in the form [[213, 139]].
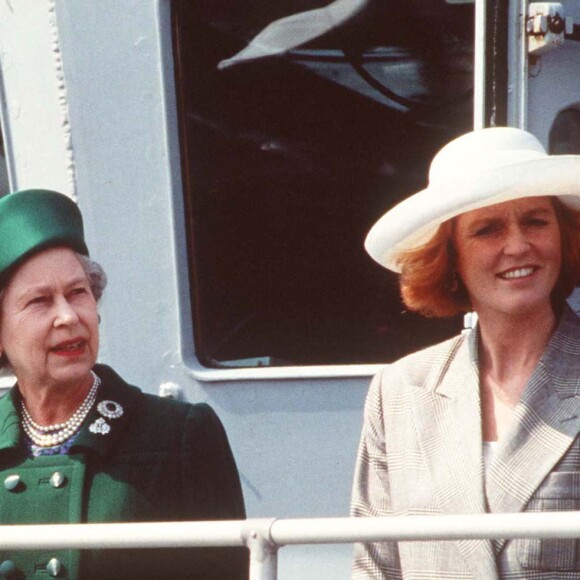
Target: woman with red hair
[[487, 421]]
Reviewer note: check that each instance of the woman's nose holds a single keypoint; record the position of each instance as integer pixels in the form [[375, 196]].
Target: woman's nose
[[516, 241], [65, 313]]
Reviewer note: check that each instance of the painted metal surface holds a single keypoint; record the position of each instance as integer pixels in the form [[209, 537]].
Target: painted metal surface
[[554, 82], [97, 120], [542, 86], [36, 127]]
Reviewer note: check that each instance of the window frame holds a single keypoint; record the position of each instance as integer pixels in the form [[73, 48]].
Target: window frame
[[192, 361]]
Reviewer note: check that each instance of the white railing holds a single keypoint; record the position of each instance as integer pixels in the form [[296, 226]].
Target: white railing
[[264, 537]]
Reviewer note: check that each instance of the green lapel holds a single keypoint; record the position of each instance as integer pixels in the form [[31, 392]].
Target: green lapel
[[9, 420]]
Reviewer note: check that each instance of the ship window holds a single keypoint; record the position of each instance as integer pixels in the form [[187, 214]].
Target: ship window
[[301, 123]]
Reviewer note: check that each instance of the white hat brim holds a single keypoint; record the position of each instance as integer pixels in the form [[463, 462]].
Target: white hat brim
[[414, 221]]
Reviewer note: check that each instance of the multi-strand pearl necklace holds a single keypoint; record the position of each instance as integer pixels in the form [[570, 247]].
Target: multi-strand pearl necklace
[[52, 435]]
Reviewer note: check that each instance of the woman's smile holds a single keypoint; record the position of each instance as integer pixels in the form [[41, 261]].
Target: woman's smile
[[74, 347], [517, 273]]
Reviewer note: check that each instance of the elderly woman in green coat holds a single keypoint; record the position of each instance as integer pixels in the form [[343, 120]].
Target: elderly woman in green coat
[[77, 443]]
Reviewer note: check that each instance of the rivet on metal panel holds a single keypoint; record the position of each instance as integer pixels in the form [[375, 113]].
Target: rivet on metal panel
[[171, 391]]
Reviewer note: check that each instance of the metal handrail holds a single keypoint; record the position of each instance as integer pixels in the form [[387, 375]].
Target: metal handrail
[[264, 537]]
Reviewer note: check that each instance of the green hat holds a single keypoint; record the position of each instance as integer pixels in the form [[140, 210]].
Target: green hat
[[35, 219]]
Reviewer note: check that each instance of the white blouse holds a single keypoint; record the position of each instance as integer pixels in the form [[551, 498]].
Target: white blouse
[[489, 451]]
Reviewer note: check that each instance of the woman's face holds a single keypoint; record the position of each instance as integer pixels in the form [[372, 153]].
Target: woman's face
[[49, 328], [509, 255]]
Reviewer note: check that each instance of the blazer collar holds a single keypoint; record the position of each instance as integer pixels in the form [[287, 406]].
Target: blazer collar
[[447, 375], [545, 423], [448, 418]]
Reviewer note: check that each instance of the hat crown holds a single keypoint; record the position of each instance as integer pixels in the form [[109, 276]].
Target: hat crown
[[479, 169], [35, 219], [482, 151]]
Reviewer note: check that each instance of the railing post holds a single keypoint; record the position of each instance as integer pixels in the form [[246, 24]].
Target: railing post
[[263, 550]]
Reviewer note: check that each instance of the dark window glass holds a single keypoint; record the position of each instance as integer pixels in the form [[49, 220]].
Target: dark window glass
[[289, 158]]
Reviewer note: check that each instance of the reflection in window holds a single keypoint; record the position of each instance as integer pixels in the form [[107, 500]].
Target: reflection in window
[[292, 146]]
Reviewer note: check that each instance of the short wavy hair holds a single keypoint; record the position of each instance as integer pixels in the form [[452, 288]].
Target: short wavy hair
[[431, 286], [96, 275], [97, 283]]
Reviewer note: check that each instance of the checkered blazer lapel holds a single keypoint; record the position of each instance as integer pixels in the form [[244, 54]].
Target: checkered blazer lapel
[[546, 422], [448, 418]]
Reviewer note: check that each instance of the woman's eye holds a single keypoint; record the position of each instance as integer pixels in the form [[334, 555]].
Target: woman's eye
[[537, 222], [38, 300], [485, 230]]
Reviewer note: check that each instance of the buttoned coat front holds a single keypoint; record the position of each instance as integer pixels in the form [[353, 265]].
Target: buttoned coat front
[[421, 454], [160, 460]]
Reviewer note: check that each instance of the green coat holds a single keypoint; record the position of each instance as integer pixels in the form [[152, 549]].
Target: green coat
[[162, 460]]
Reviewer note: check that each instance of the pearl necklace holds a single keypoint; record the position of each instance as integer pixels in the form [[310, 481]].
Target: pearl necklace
[[51, 435]]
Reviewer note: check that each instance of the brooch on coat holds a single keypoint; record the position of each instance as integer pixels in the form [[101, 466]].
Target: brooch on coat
[[108, 410]]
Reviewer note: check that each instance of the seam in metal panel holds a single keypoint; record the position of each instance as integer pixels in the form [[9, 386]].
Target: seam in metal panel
[[63, 103]]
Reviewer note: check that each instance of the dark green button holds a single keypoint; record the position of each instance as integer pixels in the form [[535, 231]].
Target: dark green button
[[7, 569], [12, 482]]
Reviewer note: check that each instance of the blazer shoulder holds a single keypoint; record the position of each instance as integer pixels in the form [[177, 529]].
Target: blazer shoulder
[[425, 366]]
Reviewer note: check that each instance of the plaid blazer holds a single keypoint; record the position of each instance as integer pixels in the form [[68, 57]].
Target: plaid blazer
[[421, 453]]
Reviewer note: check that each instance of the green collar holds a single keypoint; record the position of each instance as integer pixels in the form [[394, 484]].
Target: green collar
[[10, 420]]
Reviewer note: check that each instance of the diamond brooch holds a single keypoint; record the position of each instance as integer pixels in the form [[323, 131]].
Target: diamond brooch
[[109, 410], [100, 426]]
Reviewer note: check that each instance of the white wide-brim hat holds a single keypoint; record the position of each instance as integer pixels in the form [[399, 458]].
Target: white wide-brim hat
[[475, 170]]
